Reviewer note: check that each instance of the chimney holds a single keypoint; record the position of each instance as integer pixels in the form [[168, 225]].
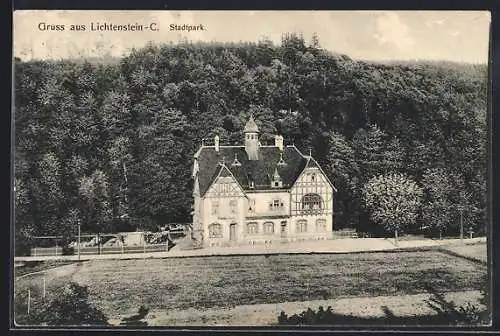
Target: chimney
[[196, 167], [278, 142], [216, 141]]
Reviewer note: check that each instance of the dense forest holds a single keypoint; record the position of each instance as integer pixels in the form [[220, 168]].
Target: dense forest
[[110, 144]]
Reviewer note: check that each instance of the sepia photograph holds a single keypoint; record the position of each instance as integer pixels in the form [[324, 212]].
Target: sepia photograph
[[250, 168]]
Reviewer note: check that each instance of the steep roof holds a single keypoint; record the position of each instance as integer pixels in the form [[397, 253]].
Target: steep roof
[[251, 126], [260, 171]]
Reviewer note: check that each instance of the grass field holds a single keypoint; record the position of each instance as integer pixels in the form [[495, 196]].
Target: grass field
[[475, 251], [39, 266], [119, 287]]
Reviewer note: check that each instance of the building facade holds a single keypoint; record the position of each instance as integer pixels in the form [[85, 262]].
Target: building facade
[[255, 194]]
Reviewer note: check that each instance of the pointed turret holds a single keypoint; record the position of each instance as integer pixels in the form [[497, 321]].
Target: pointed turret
[[252, 139]]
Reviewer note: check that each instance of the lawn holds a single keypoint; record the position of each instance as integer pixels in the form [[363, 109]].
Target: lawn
[[39, 266], [476, 251], [119, 287]]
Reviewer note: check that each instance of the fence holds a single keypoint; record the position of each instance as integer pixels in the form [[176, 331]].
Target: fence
[[129, 242], [58, 251], [350, 234]]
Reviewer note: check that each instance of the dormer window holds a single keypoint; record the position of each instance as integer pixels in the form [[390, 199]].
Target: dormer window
[[250, 181], [281, 162], [276, 180], [236, 162]]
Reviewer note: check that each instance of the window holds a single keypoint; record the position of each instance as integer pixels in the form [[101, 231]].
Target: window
[[225, 185], [215, 230], [232, 206], [321, 225], [215, 207], [312, 204], [269, 227], [312, 177], [301, 226], [252, 228], [276, 205]]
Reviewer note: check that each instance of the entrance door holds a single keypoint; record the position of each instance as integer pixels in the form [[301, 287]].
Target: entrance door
[[232, 232], [283, 229]]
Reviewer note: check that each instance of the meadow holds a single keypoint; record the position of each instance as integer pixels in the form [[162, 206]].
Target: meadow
[[119, 287]]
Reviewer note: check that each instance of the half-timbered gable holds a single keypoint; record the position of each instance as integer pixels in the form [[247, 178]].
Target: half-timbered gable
[[311, 199], [312, 192]]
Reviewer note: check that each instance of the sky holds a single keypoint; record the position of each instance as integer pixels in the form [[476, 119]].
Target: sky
[[461, 36]]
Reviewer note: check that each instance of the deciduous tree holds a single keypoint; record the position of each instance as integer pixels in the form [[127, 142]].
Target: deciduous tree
[[393, 201]]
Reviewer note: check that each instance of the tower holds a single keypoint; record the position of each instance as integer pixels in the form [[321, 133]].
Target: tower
[[252, 139]]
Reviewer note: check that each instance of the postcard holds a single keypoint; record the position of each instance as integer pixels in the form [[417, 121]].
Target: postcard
[[250, 168]]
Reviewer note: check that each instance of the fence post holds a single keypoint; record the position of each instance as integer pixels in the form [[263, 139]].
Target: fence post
[[34, 250], [123, 248], [29, 300], [79, 235], [56, 249], [43, 292]]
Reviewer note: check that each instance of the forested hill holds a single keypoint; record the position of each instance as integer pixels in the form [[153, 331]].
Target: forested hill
[[97, 142]]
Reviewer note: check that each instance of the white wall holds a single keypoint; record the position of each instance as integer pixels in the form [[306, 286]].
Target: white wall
[[262, 200], [262, 212]]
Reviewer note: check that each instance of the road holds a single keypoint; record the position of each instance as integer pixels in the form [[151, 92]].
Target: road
[[323, 246]]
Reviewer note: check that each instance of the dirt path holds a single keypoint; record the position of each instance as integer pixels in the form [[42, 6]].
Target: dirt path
[[266, 314]]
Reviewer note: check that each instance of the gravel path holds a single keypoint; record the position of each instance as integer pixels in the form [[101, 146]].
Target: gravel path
[[321, 246]]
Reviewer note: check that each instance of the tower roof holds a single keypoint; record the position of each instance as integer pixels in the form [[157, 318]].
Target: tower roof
[[251, 126]]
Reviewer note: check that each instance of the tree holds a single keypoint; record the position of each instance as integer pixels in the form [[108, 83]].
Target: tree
[[437, 210], [24, 226], [46, 189], [160, 181], [393, 158], [393, 201], [314, 44], [97, 212], [369, 147], [70, 307], [343, 170]]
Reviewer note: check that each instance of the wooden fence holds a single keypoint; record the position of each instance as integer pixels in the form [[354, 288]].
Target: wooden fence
[[58, 251]]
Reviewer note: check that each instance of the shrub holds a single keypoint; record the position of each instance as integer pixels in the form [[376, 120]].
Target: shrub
[[69, 307], [309, 317], [468, 314], [449, 313], [137, 319], [68, 250]]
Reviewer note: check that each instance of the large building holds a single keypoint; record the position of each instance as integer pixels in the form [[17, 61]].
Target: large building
[[256, 194]]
